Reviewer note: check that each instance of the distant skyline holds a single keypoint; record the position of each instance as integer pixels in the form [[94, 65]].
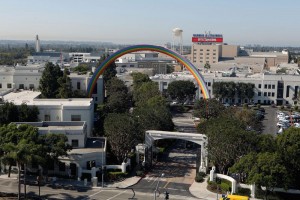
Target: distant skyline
[[263, 22]]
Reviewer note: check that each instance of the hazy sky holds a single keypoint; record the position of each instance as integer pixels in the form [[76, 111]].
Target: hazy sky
[[265, 22]]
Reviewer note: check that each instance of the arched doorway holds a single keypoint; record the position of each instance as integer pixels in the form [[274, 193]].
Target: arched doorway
[[145, 47], [152, 135]]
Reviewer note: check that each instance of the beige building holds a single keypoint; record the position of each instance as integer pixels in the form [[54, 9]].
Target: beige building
[[211, 53]]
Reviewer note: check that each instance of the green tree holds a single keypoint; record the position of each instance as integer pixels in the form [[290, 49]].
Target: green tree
[[182, 90], [8, 113], [18, 144], [228, 141], [28, 113], [144, 92], [288, 147], [65, 86], [153, 118], [49, 85], [208, 108], [139, 79], [121, 134], [52, 146], [264, 169], [207, 66], [110, 71]]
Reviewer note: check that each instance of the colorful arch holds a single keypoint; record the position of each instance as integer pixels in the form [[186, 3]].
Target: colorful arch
[[145, 47]]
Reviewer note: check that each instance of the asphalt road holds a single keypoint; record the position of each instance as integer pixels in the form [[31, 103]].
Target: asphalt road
[[77, 193], [270, 120], [178, 167]]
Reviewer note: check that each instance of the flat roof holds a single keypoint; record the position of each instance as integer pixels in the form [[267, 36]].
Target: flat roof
[[30, 98]]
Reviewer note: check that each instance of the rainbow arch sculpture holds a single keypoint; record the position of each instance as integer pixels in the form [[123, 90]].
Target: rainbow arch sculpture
[[146, 47]]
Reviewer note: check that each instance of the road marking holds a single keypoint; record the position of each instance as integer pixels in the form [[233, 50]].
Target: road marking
[[94, 194], [116, 195], [167, 184], [154, 181]]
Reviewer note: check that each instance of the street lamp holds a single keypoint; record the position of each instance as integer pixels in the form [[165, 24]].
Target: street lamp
[[162, 175], [102, 158]]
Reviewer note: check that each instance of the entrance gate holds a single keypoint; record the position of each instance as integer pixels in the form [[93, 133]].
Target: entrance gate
[[151, 136]]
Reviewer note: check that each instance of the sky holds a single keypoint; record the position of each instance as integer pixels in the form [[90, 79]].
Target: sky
[[242, 22]]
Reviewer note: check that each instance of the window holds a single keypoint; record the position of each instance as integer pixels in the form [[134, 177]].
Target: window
[[273, 94], [75, 143], [269, 94], [78, 85], [201, 53], [214, 50], [269, 86], [207, 58], [8, 85], [201, 49], [266, 86], [259, 94], [207, 53], [75, 117], [214, 54], [31, 86], [207, 49], [0, 85], [259, 85], [273, 86], [21, 86], [214, 57], [47, 118], [265, 94], [287, 91]]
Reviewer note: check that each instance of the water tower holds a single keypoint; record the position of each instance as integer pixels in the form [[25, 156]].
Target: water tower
[[177, 40]]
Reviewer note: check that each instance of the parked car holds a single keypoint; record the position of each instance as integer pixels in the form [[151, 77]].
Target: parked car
[[282, 124]]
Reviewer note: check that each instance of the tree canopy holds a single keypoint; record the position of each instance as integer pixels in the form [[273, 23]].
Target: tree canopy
[[208, 108], [181, 90], [49, 85], [121, 133]]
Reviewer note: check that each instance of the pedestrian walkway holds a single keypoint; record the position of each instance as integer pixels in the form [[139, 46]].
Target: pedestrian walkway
[[199, 190]]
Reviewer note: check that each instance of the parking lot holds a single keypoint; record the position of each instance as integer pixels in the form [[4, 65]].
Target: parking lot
[[270, 121]]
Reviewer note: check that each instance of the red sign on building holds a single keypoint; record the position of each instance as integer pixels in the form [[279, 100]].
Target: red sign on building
[[207, 39]]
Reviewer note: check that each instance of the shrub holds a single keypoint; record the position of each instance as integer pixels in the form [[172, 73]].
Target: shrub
[[113, 176], [225, 187], [200, 177], [245, 106], [244, 192], [281, 107], [296, 107], [140, 173]]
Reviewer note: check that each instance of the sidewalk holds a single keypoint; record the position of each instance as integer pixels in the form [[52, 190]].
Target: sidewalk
[[199, 190]]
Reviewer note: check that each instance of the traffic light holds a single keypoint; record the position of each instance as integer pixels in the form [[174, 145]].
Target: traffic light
[[166, 195]]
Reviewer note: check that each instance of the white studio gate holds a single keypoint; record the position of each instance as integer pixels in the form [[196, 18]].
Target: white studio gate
[[152, 135]]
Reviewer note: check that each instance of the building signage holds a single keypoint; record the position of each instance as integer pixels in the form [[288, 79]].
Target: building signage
[[218, 38]]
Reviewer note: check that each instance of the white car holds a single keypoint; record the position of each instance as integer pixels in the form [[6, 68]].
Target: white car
[[282, 124], [297, 125], [284, 120]]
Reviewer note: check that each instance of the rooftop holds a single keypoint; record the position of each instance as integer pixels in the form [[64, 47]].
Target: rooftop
[[31, 98]]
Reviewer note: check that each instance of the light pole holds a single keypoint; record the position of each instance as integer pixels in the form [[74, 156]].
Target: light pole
[[162, 175]]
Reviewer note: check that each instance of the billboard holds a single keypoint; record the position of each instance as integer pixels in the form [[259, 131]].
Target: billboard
[[217, 38]]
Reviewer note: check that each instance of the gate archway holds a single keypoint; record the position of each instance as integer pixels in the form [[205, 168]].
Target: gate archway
[[146, 47], [152, 135]]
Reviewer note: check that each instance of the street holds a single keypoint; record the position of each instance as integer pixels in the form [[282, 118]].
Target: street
[[178, 166]]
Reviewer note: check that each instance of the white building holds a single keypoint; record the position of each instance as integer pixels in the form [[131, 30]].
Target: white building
[[28, 78], [56, 109], [269, 88], [87, 152]]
